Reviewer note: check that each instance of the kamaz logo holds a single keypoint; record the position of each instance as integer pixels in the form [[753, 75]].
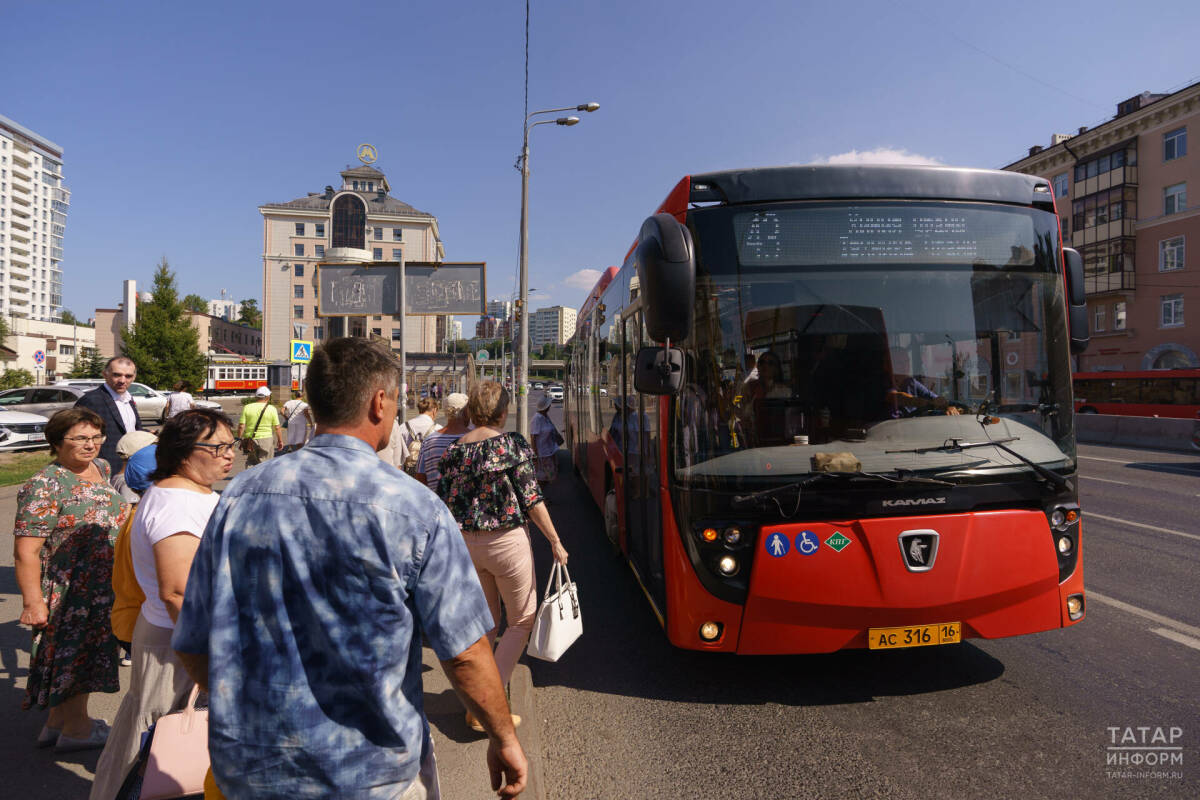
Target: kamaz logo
[[915, 501]]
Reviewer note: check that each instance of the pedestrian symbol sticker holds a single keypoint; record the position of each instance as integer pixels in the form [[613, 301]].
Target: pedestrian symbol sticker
[[807, 543], [838, 542], [777, 544]]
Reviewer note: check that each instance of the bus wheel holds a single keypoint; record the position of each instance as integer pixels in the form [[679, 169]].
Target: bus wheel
[[1087, 410], [611, 525]]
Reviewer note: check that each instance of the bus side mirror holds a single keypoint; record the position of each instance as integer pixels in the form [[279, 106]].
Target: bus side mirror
[[1077, 316], [666, 269], [659, 370]]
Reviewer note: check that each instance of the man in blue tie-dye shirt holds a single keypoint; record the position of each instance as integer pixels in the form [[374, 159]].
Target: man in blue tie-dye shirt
[[317, 576]]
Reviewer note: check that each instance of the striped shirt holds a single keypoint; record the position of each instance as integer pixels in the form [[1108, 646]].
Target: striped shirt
[[432, 449]]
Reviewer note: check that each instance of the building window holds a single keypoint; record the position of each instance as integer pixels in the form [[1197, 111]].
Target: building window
[[320, 232], [299, 228], [377, 332], [396, 254], [1172, 311], [1100, 313], [349, 222], [1119, 316], [379, 234], [299, 249], [1175, 144], [395, 335], [356, 186], [299, 269], [298, 312], [1170, 254], [377, 254], [397, 234], [298, 291], [1060, 185], [1175, 198], [320, 250], [1066, 228]]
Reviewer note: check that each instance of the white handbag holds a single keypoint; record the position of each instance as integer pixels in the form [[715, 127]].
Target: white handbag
[[558, 622]]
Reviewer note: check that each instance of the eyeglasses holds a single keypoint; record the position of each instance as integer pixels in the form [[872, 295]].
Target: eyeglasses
[[218, 450], [82, 440]]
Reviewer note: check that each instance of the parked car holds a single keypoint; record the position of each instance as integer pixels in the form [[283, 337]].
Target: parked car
[[538, 385], [556, 393], [150, 402], [20, 430], [43, 400]]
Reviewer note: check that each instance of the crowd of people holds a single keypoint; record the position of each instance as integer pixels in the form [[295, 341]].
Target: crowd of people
[[301, 593]]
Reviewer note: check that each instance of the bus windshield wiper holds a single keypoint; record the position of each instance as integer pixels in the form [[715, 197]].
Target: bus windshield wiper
[[955, 445], [901, 476]]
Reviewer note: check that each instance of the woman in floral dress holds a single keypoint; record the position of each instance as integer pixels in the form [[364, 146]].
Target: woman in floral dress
[[67, 521], [489, 485]]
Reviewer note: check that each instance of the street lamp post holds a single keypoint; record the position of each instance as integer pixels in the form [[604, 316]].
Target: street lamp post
[[522, 377]]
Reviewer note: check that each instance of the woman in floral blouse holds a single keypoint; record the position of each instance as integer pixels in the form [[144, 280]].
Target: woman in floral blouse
[[489, 484], [67, 521]]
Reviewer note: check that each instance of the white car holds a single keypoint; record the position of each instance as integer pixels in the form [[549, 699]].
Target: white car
[[150, 402], [555, 393], [20, 430]]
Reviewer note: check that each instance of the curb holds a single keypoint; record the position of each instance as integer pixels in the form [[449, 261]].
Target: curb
[[521, 699]]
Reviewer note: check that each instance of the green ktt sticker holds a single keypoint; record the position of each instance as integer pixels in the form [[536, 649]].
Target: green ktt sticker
[[838, 542]]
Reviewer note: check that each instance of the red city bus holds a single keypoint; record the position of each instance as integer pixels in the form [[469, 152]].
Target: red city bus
[[1146, 393], [796, 406]]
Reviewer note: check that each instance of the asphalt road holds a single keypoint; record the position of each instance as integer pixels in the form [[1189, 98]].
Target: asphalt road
[[626, 715]]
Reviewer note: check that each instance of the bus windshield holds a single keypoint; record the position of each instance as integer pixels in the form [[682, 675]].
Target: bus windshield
[[879, 337]]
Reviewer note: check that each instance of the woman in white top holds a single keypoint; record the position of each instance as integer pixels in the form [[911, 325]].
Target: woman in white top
[[434, 445], [297, 418], [195, 450], [179, 401]]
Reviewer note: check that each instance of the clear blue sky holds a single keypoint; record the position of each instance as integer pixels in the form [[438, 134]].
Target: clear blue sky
[[178, 120]]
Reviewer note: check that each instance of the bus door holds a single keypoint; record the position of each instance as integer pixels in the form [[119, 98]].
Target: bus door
[[640, 442]]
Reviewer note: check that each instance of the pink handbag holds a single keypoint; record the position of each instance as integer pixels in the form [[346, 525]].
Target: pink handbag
[[178, 758]]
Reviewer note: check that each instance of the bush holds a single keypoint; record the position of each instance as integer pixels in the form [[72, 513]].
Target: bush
[[16, 378]]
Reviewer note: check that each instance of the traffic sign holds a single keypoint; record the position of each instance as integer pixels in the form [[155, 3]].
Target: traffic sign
[[301, 351], [838, 541], [39, 356], [807, 543], [482, 356]]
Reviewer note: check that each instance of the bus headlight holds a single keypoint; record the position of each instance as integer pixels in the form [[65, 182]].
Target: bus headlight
[[1065, 545], [727, 566], [1075, 606], [733, 536], [710, 631], [709, 535], [1057, 519]]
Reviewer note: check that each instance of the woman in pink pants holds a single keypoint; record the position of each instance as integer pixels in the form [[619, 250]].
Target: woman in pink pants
[[489, 483]]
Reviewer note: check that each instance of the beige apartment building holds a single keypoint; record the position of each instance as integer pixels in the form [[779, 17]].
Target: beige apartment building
[[1121, 191], [554, 325], [300, 234]]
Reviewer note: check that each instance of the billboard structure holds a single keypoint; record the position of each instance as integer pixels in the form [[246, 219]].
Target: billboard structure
[[374, 289]]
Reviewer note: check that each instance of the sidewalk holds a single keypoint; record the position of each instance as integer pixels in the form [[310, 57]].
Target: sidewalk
[[461, 752]]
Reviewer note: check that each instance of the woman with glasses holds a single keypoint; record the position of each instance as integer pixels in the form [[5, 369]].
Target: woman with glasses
[[67, 519], [195, 450]]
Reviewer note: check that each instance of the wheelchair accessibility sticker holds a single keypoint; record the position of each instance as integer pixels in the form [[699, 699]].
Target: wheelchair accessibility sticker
[[777, 545], [807, 543]]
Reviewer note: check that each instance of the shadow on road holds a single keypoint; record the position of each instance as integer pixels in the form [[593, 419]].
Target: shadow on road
[[624, 651], [1174, 468]]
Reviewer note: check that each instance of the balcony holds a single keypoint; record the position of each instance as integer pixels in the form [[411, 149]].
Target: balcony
[[1105, 282], [18, 200]]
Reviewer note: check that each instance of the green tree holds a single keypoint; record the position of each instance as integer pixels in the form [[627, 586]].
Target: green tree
[[89, 364], [250, 314], [16, 378], [163, 344], [194, 302]]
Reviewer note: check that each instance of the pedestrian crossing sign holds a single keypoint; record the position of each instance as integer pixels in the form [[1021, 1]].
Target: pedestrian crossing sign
[[301, 351]]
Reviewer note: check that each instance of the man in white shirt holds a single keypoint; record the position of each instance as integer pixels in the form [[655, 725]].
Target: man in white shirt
[[115, 406]]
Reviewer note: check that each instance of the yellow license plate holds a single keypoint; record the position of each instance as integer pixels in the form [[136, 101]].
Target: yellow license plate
[[914, 636]]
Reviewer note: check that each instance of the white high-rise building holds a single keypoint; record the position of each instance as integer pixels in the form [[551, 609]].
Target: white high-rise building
[[33, 219], [554, 325], [500, 309]]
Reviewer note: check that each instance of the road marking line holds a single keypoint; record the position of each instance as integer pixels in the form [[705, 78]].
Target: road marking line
[[1109, 460], [1103, 480], [1177, 637], [1094, 515], [1180, 627]]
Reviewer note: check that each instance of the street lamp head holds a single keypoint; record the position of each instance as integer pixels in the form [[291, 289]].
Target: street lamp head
[[588, 107], [567, 121]]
